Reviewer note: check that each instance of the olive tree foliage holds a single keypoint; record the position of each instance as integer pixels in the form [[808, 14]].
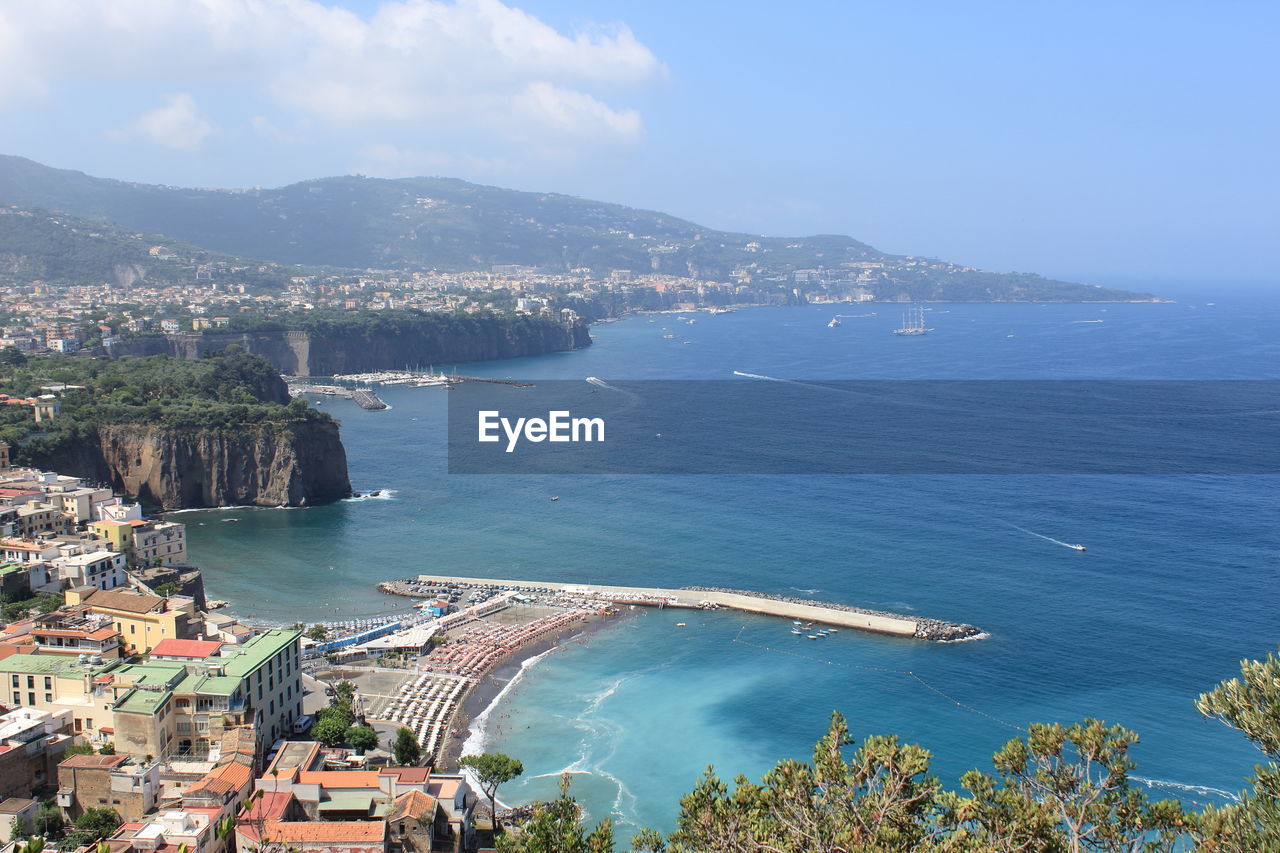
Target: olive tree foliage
[[1249, 704], [556, 827], [1059, 789]]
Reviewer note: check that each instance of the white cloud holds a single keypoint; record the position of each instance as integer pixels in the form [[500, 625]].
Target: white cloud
[[177, 124], [419, 65]]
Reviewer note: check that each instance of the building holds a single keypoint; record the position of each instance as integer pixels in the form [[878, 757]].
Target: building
[[119, 782], [32, 742], [37, 518], [160, 543], [164, 831], [70, 631], [103, 570], [182, 708], [149, 543], [142, 620], [58, 684], [17, 818]]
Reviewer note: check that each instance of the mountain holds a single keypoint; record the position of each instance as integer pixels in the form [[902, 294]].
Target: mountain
[[58, 248], [452, 225]]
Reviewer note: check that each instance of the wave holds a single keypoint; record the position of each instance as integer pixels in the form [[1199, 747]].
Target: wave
[[382, 495], [476, 735], [981, 635], [211, 509]]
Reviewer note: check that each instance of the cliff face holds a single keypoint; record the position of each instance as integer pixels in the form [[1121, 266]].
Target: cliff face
[[298, 465], [308, 354]]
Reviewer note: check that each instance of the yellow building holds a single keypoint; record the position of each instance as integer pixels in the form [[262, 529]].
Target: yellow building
[[118, 533], [142, 620]]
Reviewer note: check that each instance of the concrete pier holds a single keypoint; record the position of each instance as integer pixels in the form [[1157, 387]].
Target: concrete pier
[[817, 612]]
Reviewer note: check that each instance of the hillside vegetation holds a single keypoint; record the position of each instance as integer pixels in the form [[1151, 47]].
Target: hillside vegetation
[[451, 225]]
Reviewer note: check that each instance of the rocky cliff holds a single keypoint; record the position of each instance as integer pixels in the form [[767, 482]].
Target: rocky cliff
[[176, 468], [354, 350]]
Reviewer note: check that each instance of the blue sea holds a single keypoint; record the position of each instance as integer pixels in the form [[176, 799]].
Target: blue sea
[[1178, 583]]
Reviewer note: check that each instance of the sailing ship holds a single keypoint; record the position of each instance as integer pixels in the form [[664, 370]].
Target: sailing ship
[[913, 322]]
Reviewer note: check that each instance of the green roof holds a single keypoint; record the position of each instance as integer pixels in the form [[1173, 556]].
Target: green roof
[[143, 701], [242, 660], [351, 803], [60, 665]]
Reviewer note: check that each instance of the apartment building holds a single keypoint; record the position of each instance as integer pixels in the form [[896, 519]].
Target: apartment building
[[142, 620], [175, 707]]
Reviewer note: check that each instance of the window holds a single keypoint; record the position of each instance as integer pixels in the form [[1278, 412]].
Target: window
[[17, 698], [48, 697], [48, 683], [31, 682], [15, 681]]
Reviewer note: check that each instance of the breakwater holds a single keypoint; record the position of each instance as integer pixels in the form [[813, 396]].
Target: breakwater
[[838, 615]]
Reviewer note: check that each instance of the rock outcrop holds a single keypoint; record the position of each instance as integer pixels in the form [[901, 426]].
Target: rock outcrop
[[297, 464]]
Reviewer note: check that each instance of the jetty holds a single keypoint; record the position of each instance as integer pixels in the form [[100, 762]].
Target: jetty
[[362, 397], [707, 598]]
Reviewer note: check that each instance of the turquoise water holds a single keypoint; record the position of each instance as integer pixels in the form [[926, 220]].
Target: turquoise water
[[1178, 582]]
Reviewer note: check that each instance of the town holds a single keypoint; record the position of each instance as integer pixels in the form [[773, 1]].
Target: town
[[133, 713]]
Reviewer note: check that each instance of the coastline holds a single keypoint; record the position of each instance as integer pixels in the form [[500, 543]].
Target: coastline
[[482, 697]]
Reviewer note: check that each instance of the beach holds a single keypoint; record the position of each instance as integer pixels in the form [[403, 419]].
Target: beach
[[483, 696]]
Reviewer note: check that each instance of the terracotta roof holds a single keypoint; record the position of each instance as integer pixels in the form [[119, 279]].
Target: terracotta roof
[[407, 775], [128, 602], [186, 648], [270, 806], [339, 778], [413, 804], [327, 832], [94, 761]]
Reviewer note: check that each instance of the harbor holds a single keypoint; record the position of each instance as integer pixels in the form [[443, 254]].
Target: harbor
[[362, 397], [704, 598]]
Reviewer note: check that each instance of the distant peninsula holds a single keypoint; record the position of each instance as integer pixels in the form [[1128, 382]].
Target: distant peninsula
[[449, 226]]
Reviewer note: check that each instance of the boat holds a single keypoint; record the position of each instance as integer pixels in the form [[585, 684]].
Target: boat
[[796, 622], [834, 324], [796, 631], [555, 497], [913, 322], [832, 630], [1076, 547], [813, 636], [680, 624]]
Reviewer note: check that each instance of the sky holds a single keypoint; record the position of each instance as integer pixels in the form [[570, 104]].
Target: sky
[[1113, 143]]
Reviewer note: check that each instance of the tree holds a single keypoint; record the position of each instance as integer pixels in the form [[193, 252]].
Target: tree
[[345, 691], [1249, 704], [406, 749], [362, 738], [167, 589], [556, 827], [318, 633], [108, 748], [1065, 788], [492, 769], [330, 731], [98, 822], [79, 749], [49, 821]]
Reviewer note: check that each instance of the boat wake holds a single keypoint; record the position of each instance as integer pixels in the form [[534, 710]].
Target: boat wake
[[600, 383], [1046, 538], [1203, 790]]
